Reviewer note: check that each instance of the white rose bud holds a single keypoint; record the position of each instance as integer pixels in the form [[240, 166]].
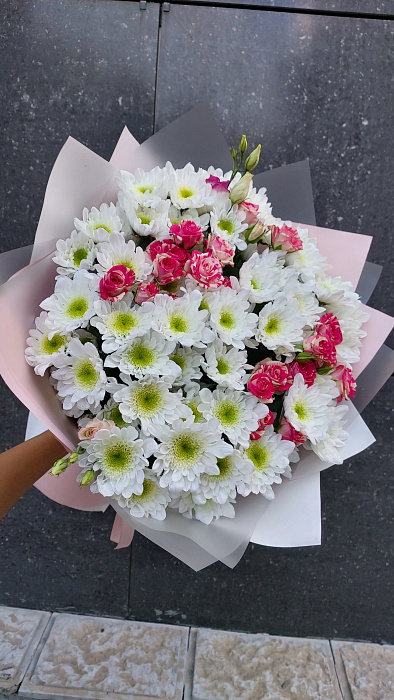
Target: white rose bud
[[241, 189]]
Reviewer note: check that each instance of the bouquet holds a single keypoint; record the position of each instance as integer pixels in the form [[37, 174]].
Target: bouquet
[[201, 345]]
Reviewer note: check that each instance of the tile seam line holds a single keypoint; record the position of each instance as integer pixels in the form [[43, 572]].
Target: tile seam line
[[279, 10], [157, 66]]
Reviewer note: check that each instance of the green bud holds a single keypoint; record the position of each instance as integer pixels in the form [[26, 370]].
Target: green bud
[[241, 189], [59, 467], [234, 153], [303, 356], [324, 370], [80, 450], [73, 457], [253, 158], [243, 144], [87, 477]]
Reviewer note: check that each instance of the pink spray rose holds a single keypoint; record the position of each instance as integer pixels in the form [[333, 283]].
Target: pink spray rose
[[261, 386], [345, 382], [116, 282], [322, 348], [220, 248], [93, 427], [188, 234], [167, 268], [168, 246], [278, 372], [251, 211], [329, 326], [205, 269], [287, 432], [285, 238], [146, 291], [263, 422], [217, 184], [307, 369]]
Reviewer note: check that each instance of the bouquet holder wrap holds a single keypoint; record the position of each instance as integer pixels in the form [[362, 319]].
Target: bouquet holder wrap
[[81, 179]]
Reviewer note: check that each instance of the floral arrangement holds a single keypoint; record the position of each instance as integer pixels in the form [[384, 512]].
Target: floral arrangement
[[197, 340]]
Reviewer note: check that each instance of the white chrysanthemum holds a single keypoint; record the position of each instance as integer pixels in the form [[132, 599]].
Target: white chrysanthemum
[[98, 224], [188, 361], [230, 317], [152, 502], [306, 407], [226, 366], [71, 305], [227, 221], [192, 400], [308, 304], [74, 253], [180, 319], [308, 261], [150, 401], [147, 354], [238, 412], [270, 458], [330, 289], [111, 411], [351, 316], [327, 449], [234, 475], [118, 456], [117, 252], [186, 450], [145, 188], [81, 380], [262, 276], [206, 512], [147, 221], [187, 188], [118, 323], [280, 325], [41, 351]]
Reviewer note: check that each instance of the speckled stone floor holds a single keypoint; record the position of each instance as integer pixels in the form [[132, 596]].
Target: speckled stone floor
[[309, 79]]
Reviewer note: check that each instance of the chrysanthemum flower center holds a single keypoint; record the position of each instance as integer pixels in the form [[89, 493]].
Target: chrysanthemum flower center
[[227, 412], [226, 320], [79, 255], [149, 490], [203, 306], [225, 468], [121, 323], [147, 400], [118, 458], [186, 449], [259, 455], [141, 356], [301, 410], [145, 188], [272, 326], [222, 366], [179, 360], [185, 193], [144, 216], [178, 324], [126, 262], [77, 308], [48, 347], [85, 375], [101, 225], [117, 418], [227, 226], [193, 405], [254, 283]]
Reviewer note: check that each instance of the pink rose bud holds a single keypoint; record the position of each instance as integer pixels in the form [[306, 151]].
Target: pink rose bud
[[257, 233], [220, 248], [329, 326], [188, 234], [116, 282], [227, 282], [261, 386], [146, 291], [251, 211], [217, 184], [205, 269], [345, 382], [168, 246], [285, 238], [278, 372], [167, 268], [321, 347], [287, 432], [263, 422], [93, 427], [307, 369]]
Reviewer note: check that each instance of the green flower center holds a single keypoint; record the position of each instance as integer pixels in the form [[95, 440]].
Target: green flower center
[[149, 490], [227, 412], [121, 322], [185, 193], [193, 405], [179, 360], [79, 255], [254, 284], [227, 226], [259, 455], [117, 417], [147, 400], [225, 468], [77, 308], [145, 216], [203, 306], [222, 366], [186, 450], [145, 188], [141, 356], [178, 324], [86, 376], [301, 411], [125, 262], [226, 320], [48, 347], [118, 458], [101, 225], [272, 326]]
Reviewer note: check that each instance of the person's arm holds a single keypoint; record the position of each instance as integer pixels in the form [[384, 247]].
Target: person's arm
[[22, 465]]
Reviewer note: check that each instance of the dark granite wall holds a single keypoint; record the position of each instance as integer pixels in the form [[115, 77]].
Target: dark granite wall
[[307, 84]]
